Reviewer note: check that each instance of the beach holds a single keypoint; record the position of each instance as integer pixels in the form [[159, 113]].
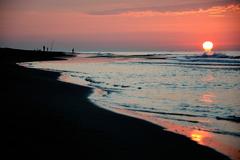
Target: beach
[[45, 116]]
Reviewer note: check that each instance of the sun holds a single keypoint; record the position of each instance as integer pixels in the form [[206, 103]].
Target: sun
[[207, 46]]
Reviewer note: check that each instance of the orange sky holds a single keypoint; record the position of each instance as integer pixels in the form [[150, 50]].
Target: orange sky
[[119, 26]]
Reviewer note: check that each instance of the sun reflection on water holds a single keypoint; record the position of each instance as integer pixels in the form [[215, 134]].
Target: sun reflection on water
[[208, 97], [208, 78]]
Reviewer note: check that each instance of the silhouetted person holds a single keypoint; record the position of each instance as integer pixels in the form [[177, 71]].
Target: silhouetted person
[[73, 50], [47, 49], [43, 48]]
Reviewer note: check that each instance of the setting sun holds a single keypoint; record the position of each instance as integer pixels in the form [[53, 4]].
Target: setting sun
[[207, 46]]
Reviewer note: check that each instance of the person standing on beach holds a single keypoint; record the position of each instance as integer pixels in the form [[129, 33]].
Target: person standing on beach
[[73, 50], [43, 48]]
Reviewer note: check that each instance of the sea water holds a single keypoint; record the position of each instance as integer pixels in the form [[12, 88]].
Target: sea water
[[186, 92]]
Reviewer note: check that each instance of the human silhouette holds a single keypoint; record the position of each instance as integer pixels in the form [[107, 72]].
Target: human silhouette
[[43, 48], [73, 50]]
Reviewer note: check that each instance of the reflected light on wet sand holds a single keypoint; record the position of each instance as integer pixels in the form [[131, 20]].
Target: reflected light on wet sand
[[196, 137], [199, 136]]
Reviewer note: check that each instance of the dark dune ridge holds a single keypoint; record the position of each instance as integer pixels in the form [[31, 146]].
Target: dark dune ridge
[[44, 116]]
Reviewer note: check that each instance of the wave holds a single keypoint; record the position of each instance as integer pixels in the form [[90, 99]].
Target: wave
[[218, 55], [189, 63], [214, 59], [236, 134], [230, 118], [122, 86], [183, 120], [163, 113], [144, 56], [89, 79], [104, 55]]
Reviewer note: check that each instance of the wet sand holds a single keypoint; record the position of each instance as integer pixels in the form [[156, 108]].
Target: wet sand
[[44, 116]]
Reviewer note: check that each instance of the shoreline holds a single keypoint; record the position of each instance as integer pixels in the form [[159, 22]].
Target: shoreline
[[44, 115]]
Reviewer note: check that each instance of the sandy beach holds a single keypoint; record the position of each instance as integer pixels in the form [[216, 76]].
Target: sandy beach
[[45, 116]]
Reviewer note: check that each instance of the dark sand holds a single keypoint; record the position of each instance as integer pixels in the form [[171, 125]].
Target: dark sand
[[44, 116]]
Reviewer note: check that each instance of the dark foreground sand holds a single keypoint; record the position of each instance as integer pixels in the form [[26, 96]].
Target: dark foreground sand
[[44, 116]]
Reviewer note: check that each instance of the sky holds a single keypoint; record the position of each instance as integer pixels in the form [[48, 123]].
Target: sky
[[120, 25]]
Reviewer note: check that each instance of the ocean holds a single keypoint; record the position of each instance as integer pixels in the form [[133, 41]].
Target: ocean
[[189, 93]]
